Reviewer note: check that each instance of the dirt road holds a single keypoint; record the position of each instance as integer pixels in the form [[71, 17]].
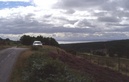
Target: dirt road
[[7, 60]]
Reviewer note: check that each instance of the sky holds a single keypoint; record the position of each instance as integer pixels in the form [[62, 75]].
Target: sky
[[65, 20]]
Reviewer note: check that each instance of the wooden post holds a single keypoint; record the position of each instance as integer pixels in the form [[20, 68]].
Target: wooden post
[[91, 53], [126, 69], [57, 50], [118, 63]]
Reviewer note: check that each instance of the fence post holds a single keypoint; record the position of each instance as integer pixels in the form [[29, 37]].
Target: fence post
[[98, 60], [126, 69], [118, 63], [57, 50], [91, 53]]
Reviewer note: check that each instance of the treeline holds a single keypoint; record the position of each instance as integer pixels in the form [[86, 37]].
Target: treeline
[[118, 48], [28, 40], [5, 41]]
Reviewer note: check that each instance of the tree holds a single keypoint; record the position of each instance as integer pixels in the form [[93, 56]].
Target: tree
[[28, 40], [7, 39]]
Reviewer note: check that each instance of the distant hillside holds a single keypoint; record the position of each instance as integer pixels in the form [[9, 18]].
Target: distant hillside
[[7, 42], [112, 48]]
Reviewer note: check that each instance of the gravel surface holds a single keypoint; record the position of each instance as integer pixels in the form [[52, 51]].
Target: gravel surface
[[7, 59]]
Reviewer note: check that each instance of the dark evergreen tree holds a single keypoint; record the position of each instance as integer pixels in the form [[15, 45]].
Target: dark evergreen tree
[[28, 40]]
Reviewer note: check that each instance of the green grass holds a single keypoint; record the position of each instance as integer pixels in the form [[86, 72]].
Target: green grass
[[38, 66], [4, 47]]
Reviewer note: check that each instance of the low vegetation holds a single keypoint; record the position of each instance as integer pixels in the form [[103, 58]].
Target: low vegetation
[[52, 64], [5, 43], [39, 66], [110, 54], [115, 63], [118, 48]]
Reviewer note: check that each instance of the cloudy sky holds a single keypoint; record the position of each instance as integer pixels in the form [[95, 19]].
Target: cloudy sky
[[65, 20]]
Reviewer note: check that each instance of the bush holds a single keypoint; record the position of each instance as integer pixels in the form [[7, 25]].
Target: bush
[[36, 47], [42, 68], [72, 51]]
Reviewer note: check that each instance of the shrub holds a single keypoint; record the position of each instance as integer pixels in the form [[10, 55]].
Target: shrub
[[36, 47], [72, 51]]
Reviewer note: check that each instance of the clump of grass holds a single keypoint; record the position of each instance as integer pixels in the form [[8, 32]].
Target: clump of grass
[[42, 68]]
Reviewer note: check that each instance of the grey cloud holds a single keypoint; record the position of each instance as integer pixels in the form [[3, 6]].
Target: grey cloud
[[112, 5], [98, 36], [84, 23], [118, 25], [99, 14], [123, 3], [72, 21], [28, 24], [20, 24], [79, 4], [47, 30], [109, 5], [111, 14], [47, 16], [114, 8], [73, 30], [108, 19], [70, 11], [66, 20], [122, 29]]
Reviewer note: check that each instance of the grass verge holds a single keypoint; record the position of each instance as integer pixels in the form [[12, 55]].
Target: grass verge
[[19, 66]]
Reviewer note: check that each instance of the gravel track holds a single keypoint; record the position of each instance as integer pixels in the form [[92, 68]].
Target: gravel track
[[7, 60]]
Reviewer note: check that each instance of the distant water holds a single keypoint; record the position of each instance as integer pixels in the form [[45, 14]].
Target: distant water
[[70, 42]]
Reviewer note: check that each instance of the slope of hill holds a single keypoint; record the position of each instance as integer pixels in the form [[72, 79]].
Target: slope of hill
[[112, 48], [51, 64], [37, 65]]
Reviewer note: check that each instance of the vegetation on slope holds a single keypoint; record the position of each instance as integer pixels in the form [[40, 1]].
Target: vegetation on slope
[[118, 64], [39, 66], [51, 64], [7, 42], [117, 48]]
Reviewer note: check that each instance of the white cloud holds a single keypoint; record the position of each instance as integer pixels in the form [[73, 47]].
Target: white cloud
[[73, 20], [16, 0], [45, 4]]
